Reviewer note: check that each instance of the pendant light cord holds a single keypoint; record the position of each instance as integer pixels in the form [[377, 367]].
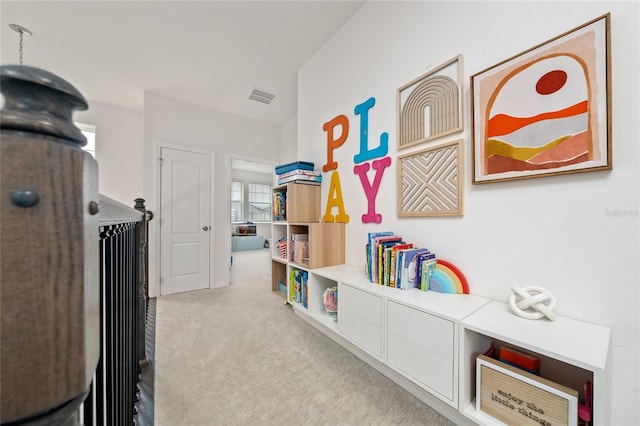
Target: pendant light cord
[[21, 31]]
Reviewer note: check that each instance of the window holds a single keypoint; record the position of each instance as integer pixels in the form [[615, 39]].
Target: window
[[250, 202], [237, 202], [259, 202], [89, 131]]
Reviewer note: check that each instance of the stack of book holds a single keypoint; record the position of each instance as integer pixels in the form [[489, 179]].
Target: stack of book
[[279, 206], [298, 284], [298, 172], [393, 262]]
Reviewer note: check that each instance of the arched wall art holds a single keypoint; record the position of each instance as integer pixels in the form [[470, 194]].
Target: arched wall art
[[545, 111], [430, 181], [430, 106]]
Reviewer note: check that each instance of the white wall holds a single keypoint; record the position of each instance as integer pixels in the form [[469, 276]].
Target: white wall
[[289, 142], [562, 232], [118, 150], [170, 122]]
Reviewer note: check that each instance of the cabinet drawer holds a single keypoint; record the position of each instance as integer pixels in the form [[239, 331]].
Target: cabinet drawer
[[421, 345], [426, 331], [362, 304], [360, 318], [362, 332], [422, 365]]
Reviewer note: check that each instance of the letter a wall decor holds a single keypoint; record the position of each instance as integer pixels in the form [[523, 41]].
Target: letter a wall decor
[[430, 106], [545, 111], [430, 181]]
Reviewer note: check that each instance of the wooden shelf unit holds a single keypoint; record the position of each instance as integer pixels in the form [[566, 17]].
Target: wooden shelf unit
[[302, 202], [325, 248], [325, 240]]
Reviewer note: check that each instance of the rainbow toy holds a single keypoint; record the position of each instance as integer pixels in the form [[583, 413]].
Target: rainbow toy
[[448, 279]]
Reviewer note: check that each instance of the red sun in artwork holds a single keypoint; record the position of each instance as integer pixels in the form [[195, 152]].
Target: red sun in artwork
[[551, 82]]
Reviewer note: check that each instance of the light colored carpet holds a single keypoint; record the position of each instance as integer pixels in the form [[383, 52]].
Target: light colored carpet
[[239, 356]]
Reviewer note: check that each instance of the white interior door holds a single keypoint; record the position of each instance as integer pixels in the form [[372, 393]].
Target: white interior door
[[185, 227]]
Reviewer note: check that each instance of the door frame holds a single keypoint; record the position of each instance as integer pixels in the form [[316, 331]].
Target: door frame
[[158, 190], [230, 157]]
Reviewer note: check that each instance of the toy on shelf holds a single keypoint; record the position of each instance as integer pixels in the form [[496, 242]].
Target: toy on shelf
[[532, 303], [447, 278], [584, 407], [330, 302]]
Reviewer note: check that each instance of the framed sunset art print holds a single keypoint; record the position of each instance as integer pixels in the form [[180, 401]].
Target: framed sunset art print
[[545, 111]]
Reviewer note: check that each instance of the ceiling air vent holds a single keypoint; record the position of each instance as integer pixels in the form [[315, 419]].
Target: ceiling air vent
[[262, 96]]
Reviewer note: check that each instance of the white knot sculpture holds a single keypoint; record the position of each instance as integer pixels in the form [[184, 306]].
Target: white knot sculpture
[[532, 303]]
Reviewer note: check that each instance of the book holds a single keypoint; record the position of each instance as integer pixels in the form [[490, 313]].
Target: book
[[409, 268], [299, 178], [370, 252], [304, 293], [392, 267], [413, 268], [399, 266], [305, 182], [519, 359], [301, 172], [300, 292], [292, 285], [301, 165], [387, 264], [379, 242], [427, 268], [295, 239], [419, 259], [382, 246], [279, 206]]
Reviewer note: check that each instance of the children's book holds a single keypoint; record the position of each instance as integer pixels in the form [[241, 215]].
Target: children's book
[[382, 245], [371, 253], [408, 280], [299, 172], [415, 268], [387, 255], [393, 273], [400, 266], [426, 268], [299, 178], [375, 243], [419, 260], [519, 359]]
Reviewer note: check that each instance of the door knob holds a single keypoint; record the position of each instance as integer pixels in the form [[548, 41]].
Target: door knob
[[205, 228]]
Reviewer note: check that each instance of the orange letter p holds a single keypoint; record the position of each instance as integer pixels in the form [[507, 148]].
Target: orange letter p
[[332, 143]]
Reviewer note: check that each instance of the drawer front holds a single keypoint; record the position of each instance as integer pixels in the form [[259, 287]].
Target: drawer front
[[431, 333], [360, 318], [362, 304], [361, 332], [424, 367]]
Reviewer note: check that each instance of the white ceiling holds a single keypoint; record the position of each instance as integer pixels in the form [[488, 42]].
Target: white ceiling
[[208, 53]]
